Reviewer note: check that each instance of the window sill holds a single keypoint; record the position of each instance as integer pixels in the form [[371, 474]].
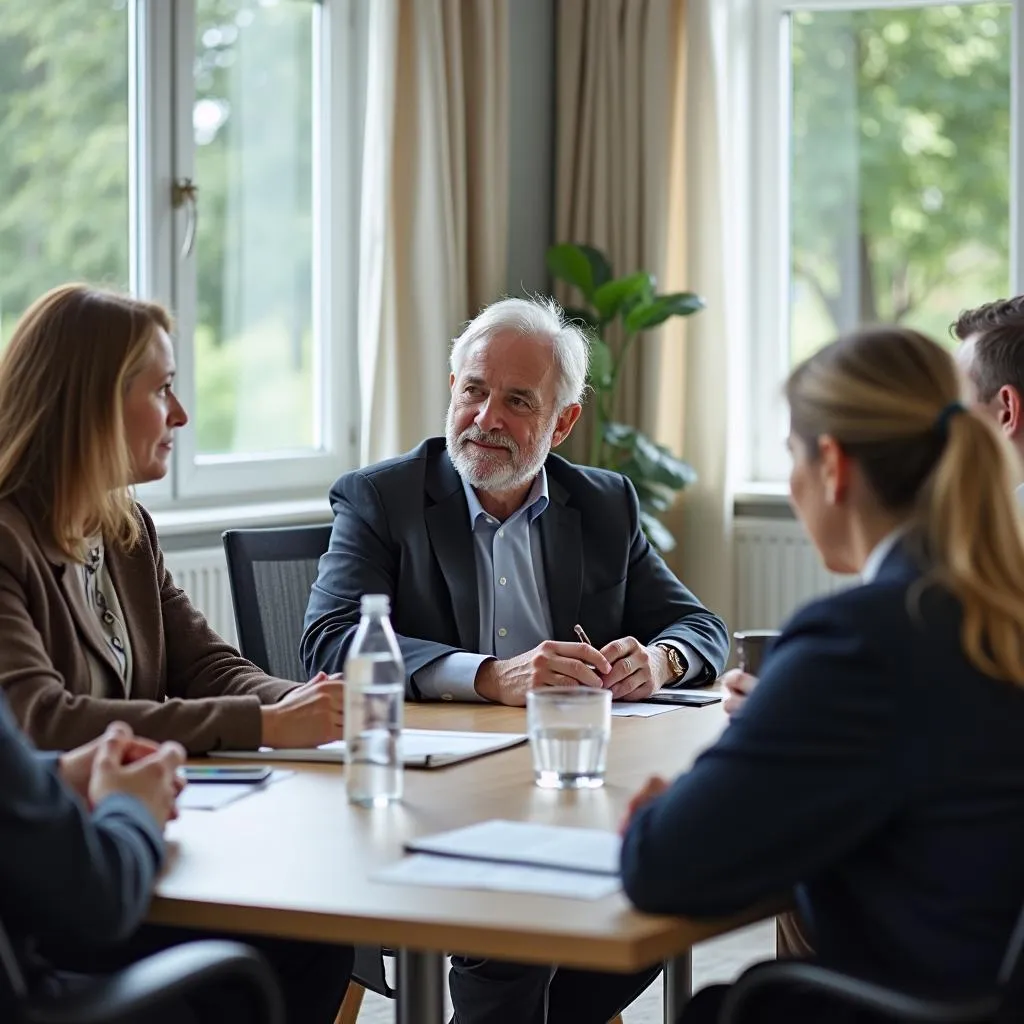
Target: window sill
[[762, 501], [215, 519]]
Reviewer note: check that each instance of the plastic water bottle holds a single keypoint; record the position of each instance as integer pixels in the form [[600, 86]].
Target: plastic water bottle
[[374, 697]]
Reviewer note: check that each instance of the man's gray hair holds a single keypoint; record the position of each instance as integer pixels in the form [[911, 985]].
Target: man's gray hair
[[538, 316]]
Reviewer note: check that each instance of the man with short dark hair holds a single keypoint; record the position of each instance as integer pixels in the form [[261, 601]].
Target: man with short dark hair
[[991, 354]]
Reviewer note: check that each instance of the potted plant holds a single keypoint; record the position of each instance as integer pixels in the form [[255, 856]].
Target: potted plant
[[632, 302]]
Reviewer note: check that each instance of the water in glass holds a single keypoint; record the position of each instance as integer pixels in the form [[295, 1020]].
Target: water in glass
[[569, 731]]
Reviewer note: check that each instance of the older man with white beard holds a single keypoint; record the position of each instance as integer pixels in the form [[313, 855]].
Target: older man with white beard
[[492, 549]]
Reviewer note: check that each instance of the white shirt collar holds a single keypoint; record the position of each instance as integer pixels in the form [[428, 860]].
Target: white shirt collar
[[1020, 495], [880, 553]]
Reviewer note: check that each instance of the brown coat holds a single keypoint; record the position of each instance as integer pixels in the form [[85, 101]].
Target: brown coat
[[187, 683]]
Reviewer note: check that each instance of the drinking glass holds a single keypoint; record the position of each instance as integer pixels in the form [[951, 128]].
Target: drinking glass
[[569, 728]]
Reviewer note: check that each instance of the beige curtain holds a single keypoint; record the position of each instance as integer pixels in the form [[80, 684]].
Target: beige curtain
[[704, 237], [433, 231], [619, 110], [642, 172]]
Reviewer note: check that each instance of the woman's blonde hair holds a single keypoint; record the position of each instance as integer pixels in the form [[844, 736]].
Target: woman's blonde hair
[[890, 397], [62, 384]]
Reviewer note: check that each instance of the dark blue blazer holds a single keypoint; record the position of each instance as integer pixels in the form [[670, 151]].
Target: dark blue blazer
[[402, 528], [876, 772], [70, 880]]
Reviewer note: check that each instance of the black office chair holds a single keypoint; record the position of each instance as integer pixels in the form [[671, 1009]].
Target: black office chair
[[152, 984], [270, 573], [1001, 1006]]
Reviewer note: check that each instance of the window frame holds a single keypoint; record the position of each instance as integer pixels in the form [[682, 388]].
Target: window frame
[[769, 224], [162, 150]]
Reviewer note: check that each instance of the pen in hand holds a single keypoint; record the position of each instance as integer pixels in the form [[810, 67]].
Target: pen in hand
[[584, 639]]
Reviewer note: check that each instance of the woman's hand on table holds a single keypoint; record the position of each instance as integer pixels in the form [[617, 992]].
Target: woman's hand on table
[[307, 716]]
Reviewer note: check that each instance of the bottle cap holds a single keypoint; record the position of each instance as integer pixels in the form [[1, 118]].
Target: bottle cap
[[375, 604]]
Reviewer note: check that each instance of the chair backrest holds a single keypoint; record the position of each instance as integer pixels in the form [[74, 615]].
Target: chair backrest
[[1011, 976], [271, 573], [13, 988]]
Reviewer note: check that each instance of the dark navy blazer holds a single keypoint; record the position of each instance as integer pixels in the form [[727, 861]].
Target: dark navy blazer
[[402, 528], [876, 772], [69, 879]]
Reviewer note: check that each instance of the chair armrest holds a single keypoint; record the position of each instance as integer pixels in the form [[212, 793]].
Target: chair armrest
[[853, 991], [151, 983]]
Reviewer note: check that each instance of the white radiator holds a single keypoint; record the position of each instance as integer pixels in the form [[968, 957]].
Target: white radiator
[[777, 570], [203, 574]]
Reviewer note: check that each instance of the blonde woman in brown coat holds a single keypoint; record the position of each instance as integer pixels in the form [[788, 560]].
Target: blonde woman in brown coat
[[93, 628]]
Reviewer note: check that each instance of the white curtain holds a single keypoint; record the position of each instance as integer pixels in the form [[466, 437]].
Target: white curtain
[[711, 233], [434, 211]]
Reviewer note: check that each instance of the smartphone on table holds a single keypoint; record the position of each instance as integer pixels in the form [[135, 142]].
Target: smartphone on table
[[252, 774], [686, 698]]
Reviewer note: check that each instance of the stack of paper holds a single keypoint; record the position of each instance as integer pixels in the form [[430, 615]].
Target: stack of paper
[[421, 748], [514, 856], [641, 710]]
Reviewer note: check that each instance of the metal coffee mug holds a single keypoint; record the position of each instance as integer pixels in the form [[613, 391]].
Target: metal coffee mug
[[752, 647]]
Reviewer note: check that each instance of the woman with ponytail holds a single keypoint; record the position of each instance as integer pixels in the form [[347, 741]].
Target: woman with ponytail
[[877, 770]]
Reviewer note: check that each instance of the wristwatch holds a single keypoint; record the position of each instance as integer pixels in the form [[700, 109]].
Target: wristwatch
[[676, 662]]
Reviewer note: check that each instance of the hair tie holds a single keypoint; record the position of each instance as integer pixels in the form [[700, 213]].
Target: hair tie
[[942, 420]]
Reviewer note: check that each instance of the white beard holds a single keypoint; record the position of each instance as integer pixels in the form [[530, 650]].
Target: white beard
[[496, 473]]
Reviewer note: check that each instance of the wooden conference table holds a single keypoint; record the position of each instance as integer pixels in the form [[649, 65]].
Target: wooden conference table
[[295, 860]]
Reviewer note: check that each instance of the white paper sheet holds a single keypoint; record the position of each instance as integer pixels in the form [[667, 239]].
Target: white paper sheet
[[211, 796], [521, 842], [421, 748], [642, 710], [452, 873]]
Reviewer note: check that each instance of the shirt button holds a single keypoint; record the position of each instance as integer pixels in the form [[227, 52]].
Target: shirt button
[[447, 696], [502, 580], [501, 533], [503, 631]]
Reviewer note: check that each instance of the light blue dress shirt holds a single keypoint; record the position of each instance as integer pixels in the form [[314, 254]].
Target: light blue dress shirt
[[511, 589], [512, 592]]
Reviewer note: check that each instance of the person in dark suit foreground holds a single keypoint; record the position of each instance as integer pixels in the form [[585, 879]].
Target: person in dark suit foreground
[[876, 771], [492, 549], [81, 841]]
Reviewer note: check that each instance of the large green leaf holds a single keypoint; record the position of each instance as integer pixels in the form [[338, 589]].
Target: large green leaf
[[610, 297], [661, 466], [620, 435], [655, 464], [600, 268], [600, 364], [653, 498], [582, 266], [571, 264], [660, 308], [657, 532]]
